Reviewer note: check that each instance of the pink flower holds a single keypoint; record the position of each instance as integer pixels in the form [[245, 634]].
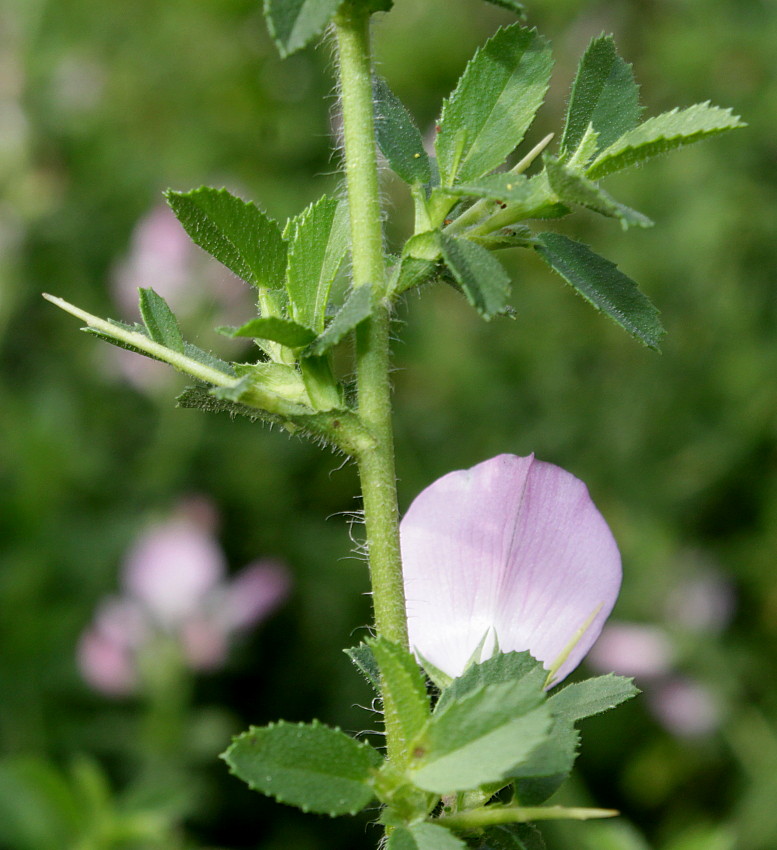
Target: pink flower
[[510, 554], [175, 587]]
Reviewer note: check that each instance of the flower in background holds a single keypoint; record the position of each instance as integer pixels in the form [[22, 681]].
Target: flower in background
[[699, 605], [175, 588], [511, 554]]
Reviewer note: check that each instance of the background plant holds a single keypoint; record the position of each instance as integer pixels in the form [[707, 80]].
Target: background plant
[[693, 470]]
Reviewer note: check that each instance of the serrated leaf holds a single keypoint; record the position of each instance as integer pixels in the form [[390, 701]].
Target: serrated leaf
[[479, 274], [591, 696], [512, 5], [602, 284], [295, 23], [512, 836], [663, 133], [500, 668], [236, 232], [283, 331], [424, 836], [318, 242], [357, 307], [493, 105], [548, 766], [315, 767], [364, 659], [573, 188], [399, 137], [604, 96], [411, 272], [403, 686], [479, 739], [161, 324]]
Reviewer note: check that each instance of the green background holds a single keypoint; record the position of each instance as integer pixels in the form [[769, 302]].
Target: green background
[[102, 107]]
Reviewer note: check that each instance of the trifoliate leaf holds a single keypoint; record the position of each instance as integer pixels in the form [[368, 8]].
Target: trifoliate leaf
[[357, 307], [315, 767], [480, 738], [493, 105], [318, 242], [282, 331], [602, 284], [404, 687], [424, 836], [548, 766], [479, 274], [295, 23], [605, 97], [399, 137], [591, 696], [411, 272], [663, 133], [573, 188]]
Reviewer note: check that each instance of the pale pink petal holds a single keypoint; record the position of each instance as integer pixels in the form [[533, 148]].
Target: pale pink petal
[[253, 594], [632, 649], [172, 568], [107, 666], [123, 622], [515, 548]]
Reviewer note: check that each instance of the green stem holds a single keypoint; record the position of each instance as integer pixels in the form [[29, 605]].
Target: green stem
[[376, 463]]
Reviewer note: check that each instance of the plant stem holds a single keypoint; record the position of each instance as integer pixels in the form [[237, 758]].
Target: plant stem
[[376, 464]]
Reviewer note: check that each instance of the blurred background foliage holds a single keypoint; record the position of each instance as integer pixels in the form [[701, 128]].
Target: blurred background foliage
[[102, 106]]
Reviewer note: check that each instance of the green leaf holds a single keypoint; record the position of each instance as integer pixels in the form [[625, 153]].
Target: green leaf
[[591, 696], [236, 232], [357, 307], [493, 105], [480, 738], [573, 188], [663, 133], [283, 331], [604, 97], [549, 765], [411, 272], [315, 767], [399, 137], [602, 284], [512, 836], [500, 668], [424, 836], [295, 23], [526, 197], [321, 385], [480, 275], [512, 5], [364, 659], [319, 239], [404, 686], [161, 324]]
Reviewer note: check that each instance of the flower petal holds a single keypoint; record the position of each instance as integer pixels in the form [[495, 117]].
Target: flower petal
[[514, 546]]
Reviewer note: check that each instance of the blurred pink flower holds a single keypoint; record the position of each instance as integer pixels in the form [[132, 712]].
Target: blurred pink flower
[[510, 553], [632, 649], [174, 586], [686, 707]]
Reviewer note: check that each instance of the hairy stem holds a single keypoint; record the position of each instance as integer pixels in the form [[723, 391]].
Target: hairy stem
[[376, 464]]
